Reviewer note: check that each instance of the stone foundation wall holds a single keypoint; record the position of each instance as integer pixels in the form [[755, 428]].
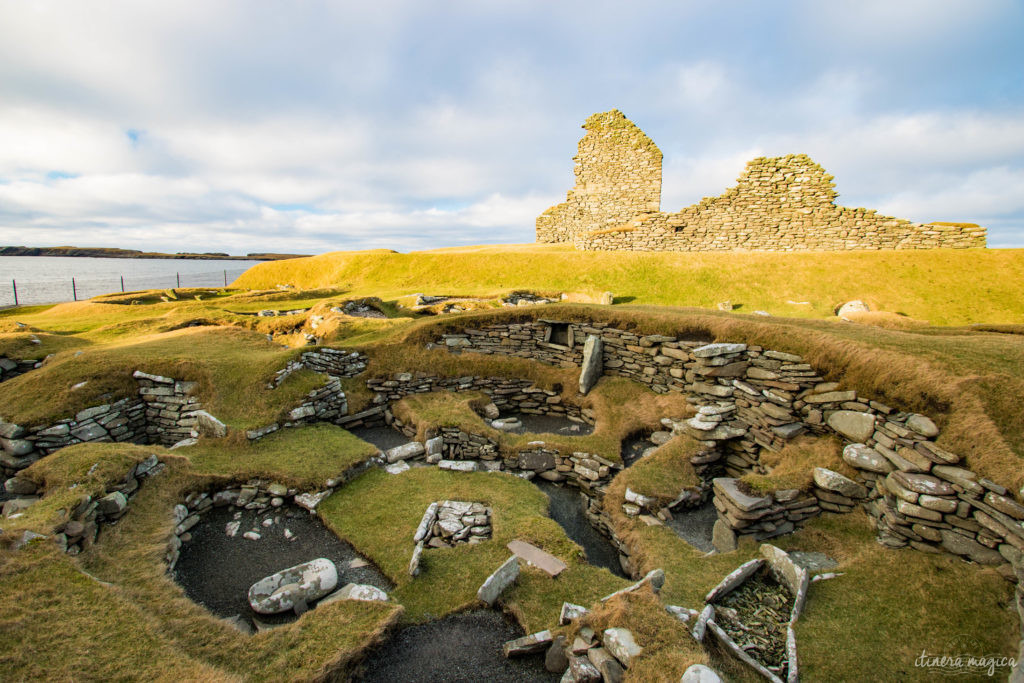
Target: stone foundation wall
[[11, 368], [518, 395], [778, 204], [332, 362], [752, 399], [165, 412], [121, 421]]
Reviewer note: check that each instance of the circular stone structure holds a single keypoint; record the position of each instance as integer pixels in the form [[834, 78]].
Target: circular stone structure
[[216, 570]]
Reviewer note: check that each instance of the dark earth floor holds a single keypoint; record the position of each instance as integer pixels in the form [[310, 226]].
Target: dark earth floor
[[549, 424], [694, 525], [458, 649], [216, 570], [383, 438], [633, 447], [566, 508]]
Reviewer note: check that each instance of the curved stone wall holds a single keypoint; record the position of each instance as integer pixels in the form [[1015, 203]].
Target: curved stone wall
[[750, 398]]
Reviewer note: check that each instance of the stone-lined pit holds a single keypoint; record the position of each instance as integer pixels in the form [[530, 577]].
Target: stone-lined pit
[[216, 569]]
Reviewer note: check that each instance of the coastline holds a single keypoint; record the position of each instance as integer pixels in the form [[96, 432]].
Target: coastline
[[113, 252]]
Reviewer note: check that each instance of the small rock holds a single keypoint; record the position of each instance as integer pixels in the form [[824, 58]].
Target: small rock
[[698, 673], [922, 425], [252, 536], [555, 659]]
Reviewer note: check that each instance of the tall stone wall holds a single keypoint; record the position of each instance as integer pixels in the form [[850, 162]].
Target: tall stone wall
[[618, 175], [778, 204]]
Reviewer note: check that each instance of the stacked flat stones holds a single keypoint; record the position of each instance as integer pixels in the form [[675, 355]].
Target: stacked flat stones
[[11, 368], [80, 529], [618, 175], [750, 399], [124, 420], [447, 523], [513, 395], [778, 204], [332, 362]]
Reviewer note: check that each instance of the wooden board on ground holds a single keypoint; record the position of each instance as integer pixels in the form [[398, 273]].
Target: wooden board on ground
[[537, 557]]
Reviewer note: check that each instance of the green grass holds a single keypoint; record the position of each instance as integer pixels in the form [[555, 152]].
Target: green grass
[[227, 362], [620, 408], [57, 622], [940, 286], [378, 513], [928, 600]]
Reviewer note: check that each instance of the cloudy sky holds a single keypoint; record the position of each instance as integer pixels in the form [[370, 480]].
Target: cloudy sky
[[317, 126]]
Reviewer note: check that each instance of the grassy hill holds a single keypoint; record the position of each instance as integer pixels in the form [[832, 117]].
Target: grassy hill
[[943, 287]]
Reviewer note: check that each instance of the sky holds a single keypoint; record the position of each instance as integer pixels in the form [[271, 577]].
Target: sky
[[307, 127]]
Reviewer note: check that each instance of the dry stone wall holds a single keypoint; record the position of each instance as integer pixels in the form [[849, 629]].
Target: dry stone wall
[[11, 368], [778, 204], [752, 399], [164, 412], [618, 175]]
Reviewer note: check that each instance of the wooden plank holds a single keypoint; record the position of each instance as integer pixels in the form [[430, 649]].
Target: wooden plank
[[537, 557]]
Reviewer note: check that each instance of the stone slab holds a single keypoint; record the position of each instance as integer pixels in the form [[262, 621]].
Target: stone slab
[[537, 557]]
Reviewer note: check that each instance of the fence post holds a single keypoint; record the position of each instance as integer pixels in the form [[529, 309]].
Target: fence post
[[14, 284], [179, 280], [74, 290], [122, 283], [225, 278]]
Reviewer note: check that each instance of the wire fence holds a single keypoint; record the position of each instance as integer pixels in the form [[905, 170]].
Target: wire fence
[[57, 289]]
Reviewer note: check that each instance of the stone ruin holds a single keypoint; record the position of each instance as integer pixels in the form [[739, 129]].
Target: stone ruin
[[778, 204]]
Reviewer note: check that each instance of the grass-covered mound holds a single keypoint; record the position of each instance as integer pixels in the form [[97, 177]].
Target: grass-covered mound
[[620, 407], [883, 610], [114, 612], [940, 286], [378, 514]]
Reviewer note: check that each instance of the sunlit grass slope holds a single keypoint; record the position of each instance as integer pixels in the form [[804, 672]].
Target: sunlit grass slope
[[944, 287]]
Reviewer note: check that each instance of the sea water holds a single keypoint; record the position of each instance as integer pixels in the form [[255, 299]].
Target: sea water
[[48, 279]]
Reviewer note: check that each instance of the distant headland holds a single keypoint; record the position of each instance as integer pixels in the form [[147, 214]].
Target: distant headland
[[113, 252]]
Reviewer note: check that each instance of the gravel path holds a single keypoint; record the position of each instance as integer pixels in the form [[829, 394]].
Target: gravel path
[[217, 570], [461, 648], [566, 508]]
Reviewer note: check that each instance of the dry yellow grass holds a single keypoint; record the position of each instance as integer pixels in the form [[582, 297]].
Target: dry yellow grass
[[940, 286]]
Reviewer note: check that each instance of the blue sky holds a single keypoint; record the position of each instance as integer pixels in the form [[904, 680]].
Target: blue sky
[[319, 126]]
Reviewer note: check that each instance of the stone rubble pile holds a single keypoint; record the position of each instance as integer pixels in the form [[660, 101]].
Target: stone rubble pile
[[526, 299], [80, 529]]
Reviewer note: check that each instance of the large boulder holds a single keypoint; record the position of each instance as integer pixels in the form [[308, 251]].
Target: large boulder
[[295, 586]]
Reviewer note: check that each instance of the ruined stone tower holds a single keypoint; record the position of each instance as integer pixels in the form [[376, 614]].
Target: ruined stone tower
[[618, 175], [778, 204]]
